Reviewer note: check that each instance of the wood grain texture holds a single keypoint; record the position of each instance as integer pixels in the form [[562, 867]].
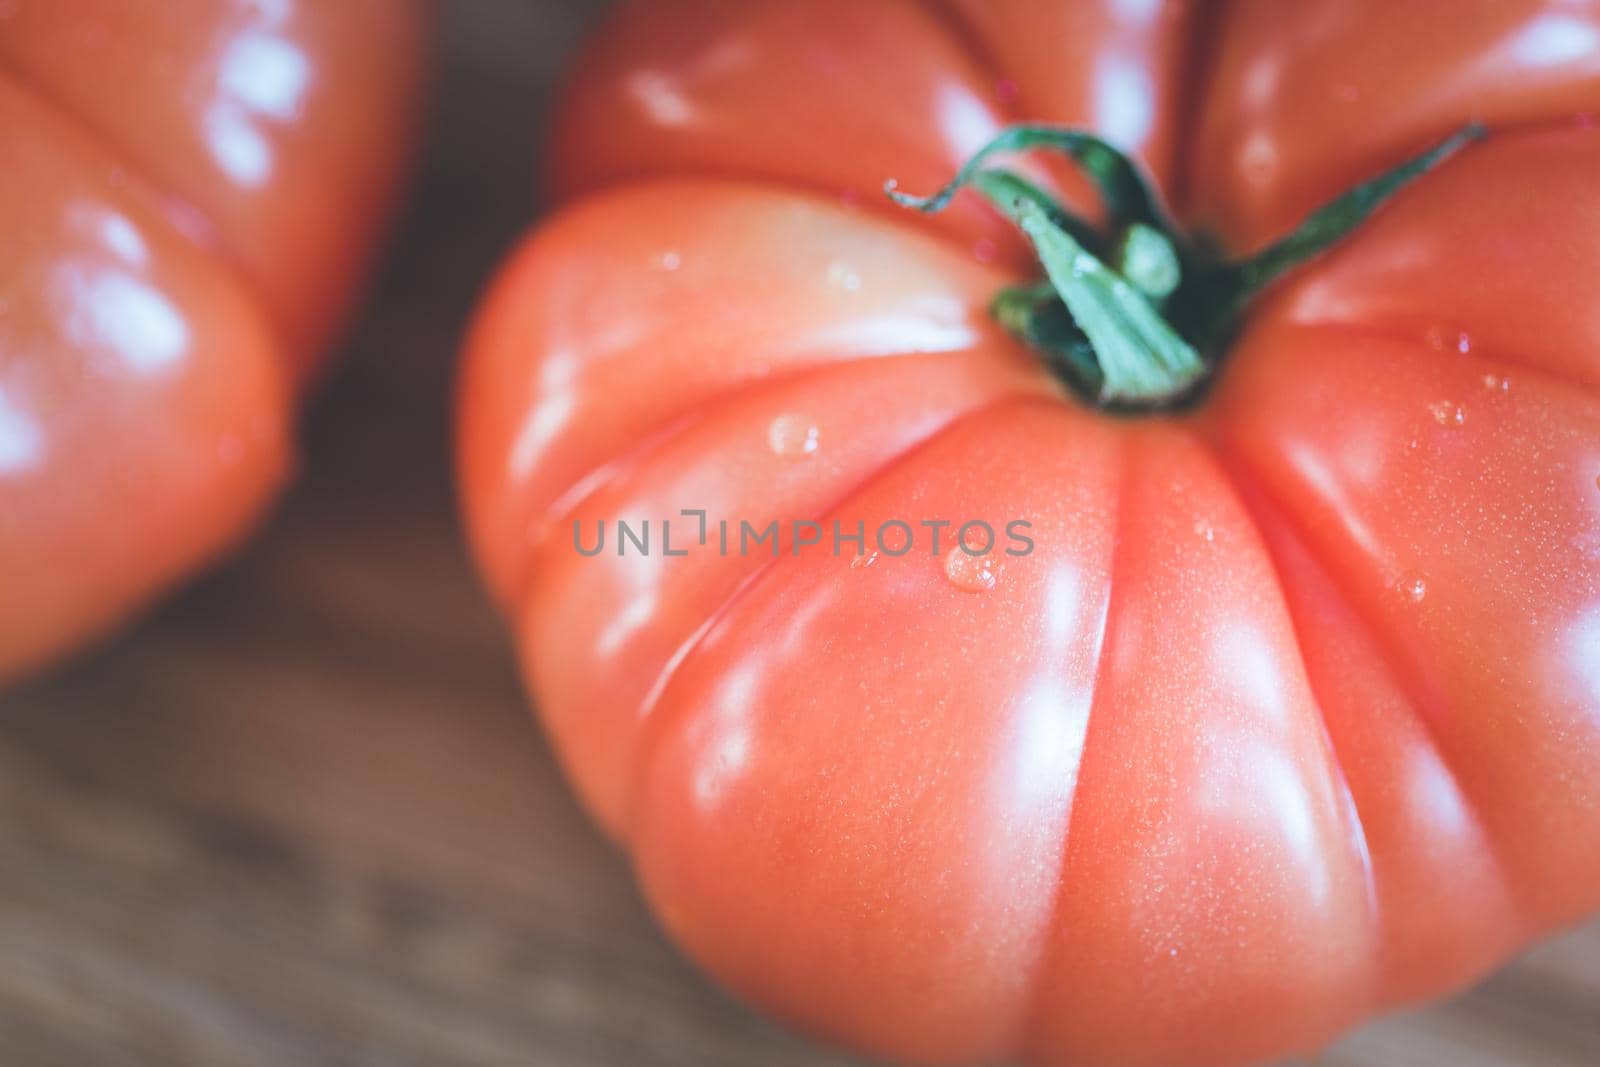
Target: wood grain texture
[[300, 815]]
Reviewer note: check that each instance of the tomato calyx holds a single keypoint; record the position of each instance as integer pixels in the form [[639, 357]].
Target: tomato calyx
[[1136, 318]]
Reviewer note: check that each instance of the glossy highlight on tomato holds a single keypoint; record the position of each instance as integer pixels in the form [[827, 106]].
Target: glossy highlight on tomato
[[1292, 717], [188, 195]]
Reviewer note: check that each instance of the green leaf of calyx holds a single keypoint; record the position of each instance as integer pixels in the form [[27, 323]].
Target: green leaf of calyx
[[1128, 196], [1337, 218], [1141, 360]]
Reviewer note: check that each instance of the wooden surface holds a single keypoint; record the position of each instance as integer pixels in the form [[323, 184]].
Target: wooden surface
[[300, 815]]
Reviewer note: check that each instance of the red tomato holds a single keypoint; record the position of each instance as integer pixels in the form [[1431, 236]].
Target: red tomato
[[1293, 714], [188, 195]]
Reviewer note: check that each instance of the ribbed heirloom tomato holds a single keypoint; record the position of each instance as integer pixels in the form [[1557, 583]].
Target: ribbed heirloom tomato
[[1293, 712], [188, 191]]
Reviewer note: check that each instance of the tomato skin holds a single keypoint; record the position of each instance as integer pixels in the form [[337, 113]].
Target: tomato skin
[[1306, 99], [1292, 716], [190, 192]]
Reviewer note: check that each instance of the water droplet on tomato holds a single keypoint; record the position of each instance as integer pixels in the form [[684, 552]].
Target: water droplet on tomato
[[863, 561], [843, 276], [1206, 531], [1258, 159], [1446, 340], [971, 574], [1497, 383], [793, 435], [1413, 587], [670, 260], [539, 529], [1448, 414]]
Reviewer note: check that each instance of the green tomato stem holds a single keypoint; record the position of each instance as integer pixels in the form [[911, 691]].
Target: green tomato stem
[[1137, 319]]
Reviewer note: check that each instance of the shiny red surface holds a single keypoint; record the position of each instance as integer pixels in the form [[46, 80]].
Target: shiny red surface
[[188, 195], [1294, 714]]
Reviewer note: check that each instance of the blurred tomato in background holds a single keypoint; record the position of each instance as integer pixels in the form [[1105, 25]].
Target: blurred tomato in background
[[190, 196]]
